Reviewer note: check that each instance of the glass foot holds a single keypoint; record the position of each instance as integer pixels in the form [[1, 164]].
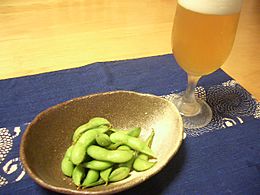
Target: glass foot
[[194, 116]]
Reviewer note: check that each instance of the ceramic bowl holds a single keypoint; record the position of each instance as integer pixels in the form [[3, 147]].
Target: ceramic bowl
[[49, 135]]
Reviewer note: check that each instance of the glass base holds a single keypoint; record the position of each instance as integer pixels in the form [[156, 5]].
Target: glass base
[[194, 115]]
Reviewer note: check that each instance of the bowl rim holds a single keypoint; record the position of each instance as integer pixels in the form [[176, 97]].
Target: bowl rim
[[41, 114]]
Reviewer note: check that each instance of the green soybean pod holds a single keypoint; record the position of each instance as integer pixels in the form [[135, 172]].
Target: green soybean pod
[[92, 176], [124, 147], [105, 174], [66, 165], [119, 174], [78, 152], [115, 156], [103, 139], [101, 129], [143, 156], [134, 132], [114, 146], [78, 175], [128, 164], [92, 123], [132, 142], [114, 129], [97, 165], [148, 142], [68, 151], [97, 183], [142, 165]]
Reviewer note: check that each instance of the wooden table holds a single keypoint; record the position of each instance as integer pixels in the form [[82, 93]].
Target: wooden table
[[39, 36]]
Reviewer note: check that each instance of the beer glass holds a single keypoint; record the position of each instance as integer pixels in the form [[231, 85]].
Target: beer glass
[[202, 37]]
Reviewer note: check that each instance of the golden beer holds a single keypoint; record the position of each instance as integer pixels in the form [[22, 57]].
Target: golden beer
[[201, 42]]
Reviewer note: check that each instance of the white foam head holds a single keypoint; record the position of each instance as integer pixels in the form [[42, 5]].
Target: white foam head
[[216, 7]]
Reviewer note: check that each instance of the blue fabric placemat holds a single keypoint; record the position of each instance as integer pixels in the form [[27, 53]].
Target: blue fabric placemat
[[222, 158]]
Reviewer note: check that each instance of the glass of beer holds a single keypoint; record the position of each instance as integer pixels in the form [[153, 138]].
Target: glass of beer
[[202, 37]]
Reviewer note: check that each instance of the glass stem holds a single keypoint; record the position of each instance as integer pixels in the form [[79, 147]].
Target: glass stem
[[189, 94], [189, 106]]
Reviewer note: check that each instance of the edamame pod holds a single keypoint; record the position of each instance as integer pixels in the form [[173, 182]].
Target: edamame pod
[[114, 129], [132, 142], [124, 147], [114, 146], [135, 132], [143, 156], [103, 140], [78, 174], [142, 165], [66, 165], [119, 174], [78, 152], [115, 156], [101, 129], [148, 142], [128, 164], [92, 176], [97, 165], [97, 183], [92, 123], [68, 152], [105, 174]]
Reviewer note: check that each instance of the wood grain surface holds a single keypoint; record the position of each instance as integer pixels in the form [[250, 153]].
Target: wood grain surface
[[39, 36]]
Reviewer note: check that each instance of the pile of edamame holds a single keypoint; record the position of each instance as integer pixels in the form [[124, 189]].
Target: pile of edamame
[[100, 154]]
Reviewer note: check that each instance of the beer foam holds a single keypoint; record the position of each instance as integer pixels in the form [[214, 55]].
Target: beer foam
[[216, 7]]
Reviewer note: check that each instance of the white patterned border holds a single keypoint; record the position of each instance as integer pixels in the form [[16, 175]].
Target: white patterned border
[[11, 169], [230, 104]]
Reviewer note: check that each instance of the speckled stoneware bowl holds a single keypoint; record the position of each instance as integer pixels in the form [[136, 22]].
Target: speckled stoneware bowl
[[49, 135]]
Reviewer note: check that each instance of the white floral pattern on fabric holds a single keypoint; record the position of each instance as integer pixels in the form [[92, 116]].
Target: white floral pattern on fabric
[[257, 111], [11, 169], [6, 143], [3, 181], [230, 104]]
